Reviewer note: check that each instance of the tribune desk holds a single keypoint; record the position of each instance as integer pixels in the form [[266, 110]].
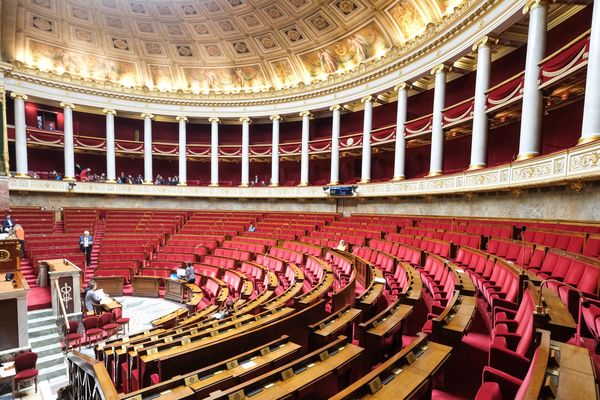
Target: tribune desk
[[65, 276], [13, 309]]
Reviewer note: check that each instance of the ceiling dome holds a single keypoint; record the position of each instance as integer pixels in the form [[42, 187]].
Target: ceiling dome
[[220, 46]]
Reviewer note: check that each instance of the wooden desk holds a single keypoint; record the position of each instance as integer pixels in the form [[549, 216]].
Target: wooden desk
[[112, 285], [335, 327], [576, 374], [147, 286], [108, 307], [67, 276], [560, 323], [175, 290]]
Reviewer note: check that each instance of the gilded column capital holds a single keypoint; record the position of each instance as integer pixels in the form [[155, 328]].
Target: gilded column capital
[[335, 107], [109, 111], [531, 4], [245, 120], [275, 117], [147, 115], [305, 114], [402, 85], [214, 119], [67, 105], [441, 68], [367, 99], [181, 118], [21, 96]]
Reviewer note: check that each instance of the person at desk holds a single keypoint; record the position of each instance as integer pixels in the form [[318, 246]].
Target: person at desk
[[7, 223], [341, 245], [91, 297], [86, 242], [190, 273], [251, 228]]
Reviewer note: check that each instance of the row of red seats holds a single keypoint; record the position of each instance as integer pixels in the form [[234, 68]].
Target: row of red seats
[[400, 238], [384, 261], [292, 256], [342, 268], [353, 231], [255, 240], [272, 263], [198, 251], [240, 255], [354, 239], [572, 242], [424, 232], [249, 247], [222, 262], [303, 248], [462, 239], [437, 247]]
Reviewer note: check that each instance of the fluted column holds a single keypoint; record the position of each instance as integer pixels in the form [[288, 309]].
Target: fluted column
[[365, 176], [275, 151], [148, 176], [111, 170], [531, 114], [68, 139], [437, 131], [214, 151], [335, 145], [245, 151], [591, 107], [304, 148], [182, 150], [20, 135], [480, 121], [400, 150]]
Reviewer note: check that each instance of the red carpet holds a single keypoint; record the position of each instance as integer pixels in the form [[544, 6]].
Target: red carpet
[[39, 298]]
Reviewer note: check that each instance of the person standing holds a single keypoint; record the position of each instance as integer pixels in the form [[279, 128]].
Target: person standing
[[20, 234], [190, 273], [86, 242], [7, 222]]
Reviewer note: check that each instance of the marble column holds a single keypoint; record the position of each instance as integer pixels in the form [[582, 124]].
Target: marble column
[[148, 176], [182, 150], [214, 151], [335, 145], [480, 122], [437, 131], [365, 176], [591, 107], [20, 135], [275, 151], [304, 159], [111, 170], [531, 113], [69, 150], [400, 149], [245, 151]]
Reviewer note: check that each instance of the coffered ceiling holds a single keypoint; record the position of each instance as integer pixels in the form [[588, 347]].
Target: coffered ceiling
[[212, 45]]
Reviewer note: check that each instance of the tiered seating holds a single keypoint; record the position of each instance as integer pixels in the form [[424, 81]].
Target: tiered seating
[[568, 241], [592, 246], [249, 247], [77, 220], [292, 256], [33, 220], [237, 254], [316, 251]]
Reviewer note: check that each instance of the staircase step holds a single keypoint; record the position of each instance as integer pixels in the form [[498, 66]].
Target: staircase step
[[53, 371], [41, 321], [48, 349], [42, 331], [44, 312], [44, 340]]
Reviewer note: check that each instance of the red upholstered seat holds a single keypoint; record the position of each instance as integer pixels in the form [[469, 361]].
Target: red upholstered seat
[[91, 326], [72, 334], [25, 370]]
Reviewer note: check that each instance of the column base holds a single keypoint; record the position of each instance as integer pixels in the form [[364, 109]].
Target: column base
[[243, 185], [588, 139], [333, 183], [111, 181], [475, 167], [148, 183], [398, 178], [182, 184], [526, 156], [22, 175], [367, 180], [434, 173], [69, 179], [302, 184], [273, 184], [213, 185]]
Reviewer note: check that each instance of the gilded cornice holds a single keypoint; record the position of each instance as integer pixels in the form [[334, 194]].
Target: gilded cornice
[[467, 14]]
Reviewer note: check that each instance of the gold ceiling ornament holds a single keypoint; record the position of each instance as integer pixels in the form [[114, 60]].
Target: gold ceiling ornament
[[306, 114], [21, 96]]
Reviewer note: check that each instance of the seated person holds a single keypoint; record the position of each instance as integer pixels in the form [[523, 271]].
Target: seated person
[[92, 297], [251, 228], [20, 234], [226, 312], [341, 245], [7, 222]]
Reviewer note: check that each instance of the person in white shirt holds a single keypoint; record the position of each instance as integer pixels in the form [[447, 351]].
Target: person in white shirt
[[86, 242], [251, 228], [341, 245]]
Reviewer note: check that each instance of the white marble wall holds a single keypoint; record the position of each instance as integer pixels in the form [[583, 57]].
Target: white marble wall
[[546, 203]]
